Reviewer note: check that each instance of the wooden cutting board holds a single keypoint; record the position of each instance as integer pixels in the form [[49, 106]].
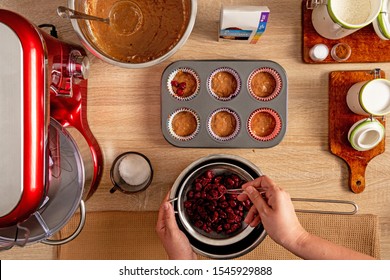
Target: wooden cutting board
[[340, 121], [365, 44]]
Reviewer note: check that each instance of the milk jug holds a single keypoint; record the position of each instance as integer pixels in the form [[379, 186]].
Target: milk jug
[[335, 19]]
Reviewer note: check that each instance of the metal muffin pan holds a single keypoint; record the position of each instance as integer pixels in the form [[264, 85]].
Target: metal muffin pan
[[204, 103]]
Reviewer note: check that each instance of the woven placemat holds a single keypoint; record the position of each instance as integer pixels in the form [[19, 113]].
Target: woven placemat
[[121, 235]]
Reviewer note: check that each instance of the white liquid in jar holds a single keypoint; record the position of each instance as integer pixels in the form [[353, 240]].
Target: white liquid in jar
[[352, 12], [134, 170], [376, 97]]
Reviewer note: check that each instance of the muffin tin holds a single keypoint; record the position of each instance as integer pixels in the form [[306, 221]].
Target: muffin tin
[[242, 103]]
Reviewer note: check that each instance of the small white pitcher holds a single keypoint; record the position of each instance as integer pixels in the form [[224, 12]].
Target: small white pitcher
[[333, 20]]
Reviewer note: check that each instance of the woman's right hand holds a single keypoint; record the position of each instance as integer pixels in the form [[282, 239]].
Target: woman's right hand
[[273, 208]]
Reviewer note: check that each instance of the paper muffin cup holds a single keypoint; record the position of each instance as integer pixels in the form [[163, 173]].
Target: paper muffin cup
[[278, 84], [234, 74], [230, 136], [183, 137], [276, 130], [173, 89]]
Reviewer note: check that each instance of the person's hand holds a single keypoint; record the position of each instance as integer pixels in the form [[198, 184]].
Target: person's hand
[[273, 208], [175, 242]]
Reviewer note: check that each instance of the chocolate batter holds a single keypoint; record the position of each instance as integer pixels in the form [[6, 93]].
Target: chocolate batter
[[223, 84], [223, 124], [139, 30], [190, 83], [262, 124], [263, 84], [184, 124]]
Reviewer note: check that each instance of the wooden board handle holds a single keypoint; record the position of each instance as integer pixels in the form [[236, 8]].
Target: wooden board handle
[[357, 181]]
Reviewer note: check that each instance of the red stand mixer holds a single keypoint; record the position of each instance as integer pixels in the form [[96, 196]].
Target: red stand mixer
[[50, 162]]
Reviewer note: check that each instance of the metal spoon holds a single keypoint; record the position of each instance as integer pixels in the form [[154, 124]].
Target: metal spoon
[[125, 17], [65, 12], [312, 200]]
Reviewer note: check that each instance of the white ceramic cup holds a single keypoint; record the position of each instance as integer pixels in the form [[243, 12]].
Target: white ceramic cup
[[366, 134], [370, 97], [335, 19]]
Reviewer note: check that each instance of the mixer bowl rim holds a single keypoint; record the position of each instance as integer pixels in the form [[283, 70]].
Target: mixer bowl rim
[[41, 230], [102, 56]]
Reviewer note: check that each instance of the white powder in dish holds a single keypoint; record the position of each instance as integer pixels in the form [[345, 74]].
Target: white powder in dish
[[353, 12], [134, 170], [319, 52]]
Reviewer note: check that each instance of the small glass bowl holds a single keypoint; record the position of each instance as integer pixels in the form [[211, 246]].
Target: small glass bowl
[[341, 52]]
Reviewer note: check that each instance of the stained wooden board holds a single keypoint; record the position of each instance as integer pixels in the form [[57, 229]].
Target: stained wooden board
[[365, 44], [341, 118]]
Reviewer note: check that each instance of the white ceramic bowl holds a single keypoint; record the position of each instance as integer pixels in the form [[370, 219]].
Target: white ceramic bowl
[[366, 134]]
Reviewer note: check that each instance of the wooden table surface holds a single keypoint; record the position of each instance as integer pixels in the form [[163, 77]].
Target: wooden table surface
[[124, 115]]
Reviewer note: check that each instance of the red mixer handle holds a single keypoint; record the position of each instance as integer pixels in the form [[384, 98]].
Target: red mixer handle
[[68, 67], [70, 110], [97, 156]]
